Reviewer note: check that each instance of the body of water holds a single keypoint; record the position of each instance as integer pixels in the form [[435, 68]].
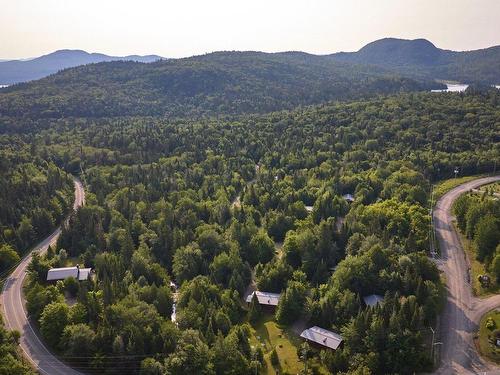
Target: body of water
[[458, 87], [453, 87]]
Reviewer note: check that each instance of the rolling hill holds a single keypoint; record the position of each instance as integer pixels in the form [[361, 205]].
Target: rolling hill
[[238, 82], [15, 71], [216, 83], [420, 58]]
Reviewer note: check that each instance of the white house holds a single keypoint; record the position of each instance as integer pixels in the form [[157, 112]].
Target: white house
[[80, 274]]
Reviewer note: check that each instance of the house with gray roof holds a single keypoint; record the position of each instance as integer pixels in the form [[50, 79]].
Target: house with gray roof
[[323, 337], [80, 274]]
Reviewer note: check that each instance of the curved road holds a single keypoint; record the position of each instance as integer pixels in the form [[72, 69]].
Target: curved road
[[15, 315], [463, 311]]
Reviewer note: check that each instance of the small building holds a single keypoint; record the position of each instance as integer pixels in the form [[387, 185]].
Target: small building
[[348, 197], [80, 274], [373, 300], [323, 337], [265, 298], [173, 287]]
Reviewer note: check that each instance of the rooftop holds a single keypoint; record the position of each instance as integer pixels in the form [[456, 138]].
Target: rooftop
[[373, 299], [348, 197], [66, 272], [265, 298], [322, 336], [84, 274]]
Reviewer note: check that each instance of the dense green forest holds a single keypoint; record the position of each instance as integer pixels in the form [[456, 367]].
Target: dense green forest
[[212, 84], [219, 203], [10, 363], [478, 217], [34, 195]]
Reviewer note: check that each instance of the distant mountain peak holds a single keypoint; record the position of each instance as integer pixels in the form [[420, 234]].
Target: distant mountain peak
[[422, 59], [15, 71], [68, 51], [399, 42], [394, 51], [395, 43]]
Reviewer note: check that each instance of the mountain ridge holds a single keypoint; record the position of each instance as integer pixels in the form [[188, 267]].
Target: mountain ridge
[[210, 84], [417, 58], [420, 58], [236, 82], [16, 71]]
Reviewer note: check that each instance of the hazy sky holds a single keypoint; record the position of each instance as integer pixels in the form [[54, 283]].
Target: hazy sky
[[174, 28]]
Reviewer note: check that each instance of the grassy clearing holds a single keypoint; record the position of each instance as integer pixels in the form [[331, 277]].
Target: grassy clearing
[[445, 186], [489, 329], [477, 268], [267, 334]]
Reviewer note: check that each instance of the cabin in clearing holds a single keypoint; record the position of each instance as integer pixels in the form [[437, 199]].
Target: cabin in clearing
[[265, 299], [322, 337]]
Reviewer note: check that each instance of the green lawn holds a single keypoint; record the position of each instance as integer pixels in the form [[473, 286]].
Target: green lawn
[[267, 334], [487, 336], [477, 268]]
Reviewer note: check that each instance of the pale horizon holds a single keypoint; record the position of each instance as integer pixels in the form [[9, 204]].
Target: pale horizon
[[176, 29]]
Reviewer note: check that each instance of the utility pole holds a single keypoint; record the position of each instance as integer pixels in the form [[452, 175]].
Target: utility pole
[[431, 224], [432, 344], [435, 344]]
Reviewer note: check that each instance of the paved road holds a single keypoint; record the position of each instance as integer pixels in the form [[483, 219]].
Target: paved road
[[463, 311], [15, 315]]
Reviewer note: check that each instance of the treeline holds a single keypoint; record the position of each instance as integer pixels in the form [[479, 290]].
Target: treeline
[[34, 195], [10, 363], [214, 205], [436, 132], [478, 217]]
